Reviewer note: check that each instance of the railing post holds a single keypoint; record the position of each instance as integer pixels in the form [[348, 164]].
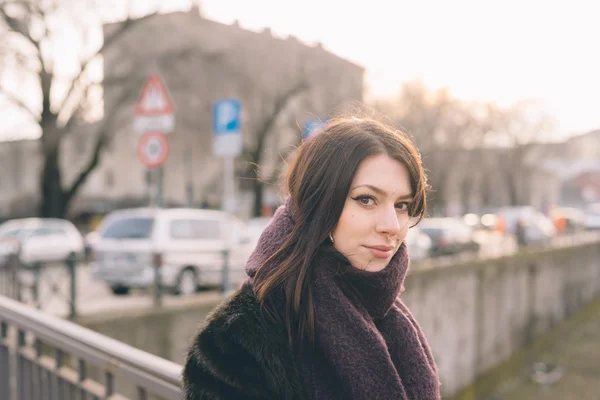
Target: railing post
[[72, 266], [22, 384], [157, 288], [157, 262], [36, 267], [225, 286], [16, 273], [5, 363], [12, 273]]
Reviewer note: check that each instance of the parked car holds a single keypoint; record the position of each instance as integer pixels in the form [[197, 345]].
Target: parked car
[[256, 226], [44, 239], [419, 244], [536, 227], [592, 217], [449, 236], [8, 247], [185, 245], [568, 219]]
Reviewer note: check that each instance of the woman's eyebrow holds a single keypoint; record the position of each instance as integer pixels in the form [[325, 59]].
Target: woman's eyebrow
[[383, 192]]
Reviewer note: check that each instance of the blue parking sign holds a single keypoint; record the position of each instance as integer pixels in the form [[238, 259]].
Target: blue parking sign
[[227, 129], [312, 126], [227, 116]]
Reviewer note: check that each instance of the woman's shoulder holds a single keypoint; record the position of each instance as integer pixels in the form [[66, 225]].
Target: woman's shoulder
[[239, 354], [239, 314]]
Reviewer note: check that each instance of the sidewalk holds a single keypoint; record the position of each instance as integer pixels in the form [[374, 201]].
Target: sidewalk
[[577, 354]]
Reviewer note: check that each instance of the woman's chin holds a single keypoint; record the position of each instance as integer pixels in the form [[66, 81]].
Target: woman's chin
[[371, 265]]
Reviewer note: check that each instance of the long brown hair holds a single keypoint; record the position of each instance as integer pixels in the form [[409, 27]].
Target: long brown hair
[[318, 182]]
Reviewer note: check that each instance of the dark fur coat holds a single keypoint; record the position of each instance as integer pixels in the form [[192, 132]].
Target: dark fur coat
[[238, 355]]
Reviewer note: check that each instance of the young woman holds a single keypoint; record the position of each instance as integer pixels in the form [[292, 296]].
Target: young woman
[[319, 316]]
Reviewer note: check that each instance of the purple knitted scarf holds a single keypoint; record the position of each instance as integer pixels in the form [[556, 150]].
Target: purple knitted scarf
[[367, 344]]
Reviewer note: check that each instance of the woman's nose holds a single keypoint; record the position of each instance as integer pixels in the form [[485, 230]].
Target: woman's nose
[[388, 222]]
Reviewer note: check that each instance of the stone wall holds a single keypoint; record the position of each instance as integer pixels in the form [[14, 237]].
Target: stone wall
[[475, 313]]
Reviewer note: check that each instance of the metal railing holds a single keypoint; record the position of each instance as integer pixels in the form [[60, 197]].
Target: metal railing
[[60, 287], [221, 275], [9, 269], [38, 283], [45, 357]]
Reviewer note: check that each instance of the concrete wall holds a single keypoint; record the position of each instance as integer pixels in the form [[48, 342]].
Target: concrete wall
[[475, 313]]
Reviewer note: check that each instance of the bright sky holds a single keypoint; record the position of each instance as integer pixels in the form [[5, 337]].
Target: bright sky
[[482, 50]]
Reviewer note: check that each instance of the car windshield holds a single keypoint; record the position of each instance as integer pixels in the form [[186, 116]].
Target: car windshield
[[17, 233], [594, 209], [128, 228], [433, 233]]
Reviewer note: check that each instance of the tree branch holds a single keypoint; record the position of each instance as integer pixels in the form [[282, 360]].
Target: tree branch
[[280, 105], [121, 80], [15, 26], [18, 102], [102, 138], [124, 27], [101, 141]]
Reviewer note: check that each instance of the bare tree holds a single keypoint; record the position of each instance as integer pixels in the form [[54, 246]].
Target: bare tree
[[268, 107], [518, 131], [464, 144], [33, 45], [266, 122], [444, 129]]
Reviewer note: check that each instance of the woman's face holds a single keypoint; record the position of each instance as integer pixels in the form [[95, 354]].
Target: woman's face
[[375, 219]]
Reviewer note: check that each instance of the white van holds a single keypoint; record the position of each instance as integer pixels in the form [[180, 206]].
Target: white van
[[185, 245]]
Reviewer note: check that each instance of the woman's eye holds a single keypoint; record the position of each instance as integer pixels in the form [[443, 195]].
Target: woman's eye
[[402, 206], [365, 200]]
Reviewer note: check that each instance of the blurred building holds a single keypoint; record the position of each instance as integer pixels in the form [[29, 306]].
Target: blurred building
[[281, 82], [202, 61], [586, 146], [577, 165], [551, 174]]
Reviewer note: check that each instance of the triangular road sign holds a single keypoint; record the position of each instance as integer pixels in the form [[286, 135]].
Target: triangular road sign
[[154, 100]]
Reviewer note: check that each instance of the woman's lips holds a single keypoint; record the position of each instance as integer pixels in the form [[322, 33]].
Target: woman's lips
[[381, 251]]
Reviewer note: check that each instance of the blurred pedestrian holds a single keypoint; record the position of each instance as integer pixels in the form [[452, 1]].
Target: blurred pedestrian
[[319, 316]]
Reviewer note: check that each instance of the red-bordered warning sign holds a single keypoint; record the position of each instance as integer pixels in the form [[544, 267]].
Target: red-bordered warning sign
[[154, 99], [153, 149]]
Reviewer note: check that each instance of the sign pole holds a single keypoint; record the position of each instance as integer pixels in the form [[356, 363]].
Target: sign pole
[[229, 203], [154, 120], [159, 187], [228, 145], [189, 186]]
